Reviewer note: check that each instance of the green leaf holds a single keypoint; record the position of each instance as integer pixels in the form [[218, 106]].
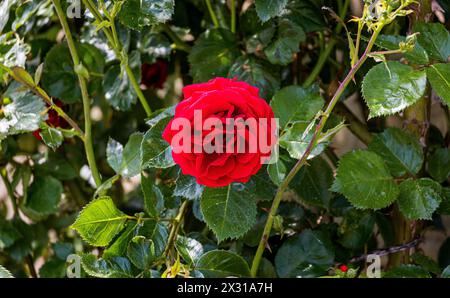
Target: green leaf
[[117, 267], [313, 182], [131, 159], [153, 197], [53, 268], [100, 221], [407, 271], [435, 39], [390, 87], [426, 263], [308, 254], [277, 171], [55, 165], [155, 151], [446, 272], [59, 77], [287, 42], [43, 197], [296, 139], [391, 42], [120, 244], [294, 103], [8, 234], [221, 263], [189, 249], [307, 14], [356, 229], [267, 9], [23, 114], [439, 164], [220, 46], [418, 199], [363, 178], [4, 273], [187, 187], [52, 137], [229, 211], [13, 52], [117, 87], [141, 252], [114, 154], [138, 14], [257, 73], [402, 153], [439, 77], [444, 208], [158, 233]]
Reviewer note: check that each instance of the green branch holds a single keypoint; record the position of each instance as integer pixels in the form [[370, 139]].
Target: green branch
[[302, 161], [111, 34], [78, 66], [212, 14]]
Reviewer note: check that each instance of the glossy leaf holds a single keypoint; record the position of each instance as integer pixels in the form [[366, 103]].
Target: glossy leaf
[[439, 77], [141, 252], [439, 164], [187, 187], [100, 221], [190, 249], [401, 152], [153, 197], [257, 73], [418, 55], [294, 103], [308, 254], [391, 87], [313, 182], [117, 267], [363, 178], [435, 39], [418, 199], [59, 78], [228, 211], [4, 273], [43, 197], [221, 47], [138, 14], [268, 9], [156, 152], [52, 137], [221, 263], [287, 42]]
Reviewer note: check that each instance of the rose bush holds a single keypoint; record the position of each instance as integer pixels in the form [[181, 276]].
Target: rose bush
[[358, 179]]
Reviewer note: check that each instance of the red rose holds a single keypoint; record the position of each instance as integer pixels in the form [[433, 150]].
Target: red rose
[[244, 148], [154, 75], [53, 120], [343, 268]]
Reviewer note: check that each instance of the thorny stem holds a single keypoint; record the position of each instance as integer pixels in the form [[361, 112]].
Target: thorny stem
[[302, 161], [175, 228], [84, 94], [111, 35]]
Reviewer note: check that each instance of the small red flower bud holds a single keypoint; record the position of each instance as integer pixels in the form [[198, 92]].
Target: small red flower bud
[[343, 268], [154, 75]]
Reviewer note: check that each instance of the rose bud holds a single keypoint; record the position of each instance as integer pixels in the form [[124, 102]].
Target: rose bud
[[154, 75], [207, 145]]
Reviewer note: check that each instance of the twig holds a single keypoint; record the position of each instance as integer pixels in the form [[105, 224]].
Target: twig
[[84, 94]]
